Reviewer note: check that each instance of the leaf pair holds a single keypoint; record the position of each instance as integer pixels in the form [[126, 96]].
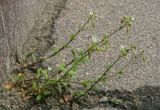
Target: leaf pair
[[42, 73]]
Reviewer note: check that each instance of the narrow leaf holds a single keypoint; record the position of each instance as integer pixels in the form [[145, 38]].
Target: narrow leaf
[[62, 68], [39, 98], [34, 85]]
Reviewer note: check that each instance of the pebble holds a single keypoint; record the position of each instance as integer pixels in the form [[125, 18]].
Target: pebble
[[103, 99]]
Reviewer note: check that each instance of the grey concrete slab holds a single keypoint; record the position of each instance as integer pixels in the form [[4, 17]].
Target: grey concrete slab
[[17, 18]]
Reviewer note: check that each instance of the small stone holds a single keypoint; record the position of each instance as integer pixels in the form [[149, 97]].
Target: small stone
[[92, 92], [103, 99], [87, 73], [104, 89]]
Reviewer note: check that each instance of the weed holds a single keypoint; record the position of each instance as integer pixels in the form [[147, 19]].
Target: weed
[[41, 83]]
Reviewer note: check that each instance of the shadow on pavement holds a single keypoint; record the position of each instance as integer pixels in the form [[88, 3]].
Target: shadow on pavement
[[143, 98]]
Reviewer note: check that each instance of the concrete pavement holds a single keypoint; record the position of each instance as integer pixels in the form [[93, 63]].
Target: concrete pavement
[[144, 33]]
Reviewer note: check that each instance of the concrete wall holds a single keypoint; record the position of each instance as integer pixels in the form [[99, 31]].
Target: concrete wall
[[17, 18]]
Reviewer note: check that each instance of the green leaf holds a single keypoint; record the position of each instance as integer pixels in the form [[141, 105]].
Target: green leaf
[[89, 54], [75, 67], [108, 46], [59, 88], [45, 74], [72, 73], [85, 59], [95, 88], [97, 48], [72, 37], [108, 66], [127, 20], [124, 51], [62, 68], [39, 97], [120, 72], [67, 46], [46, 93], [54, 50], [103, 79], [29, 55], [42, 72], [92, 15], [116, 101], [33, 57], [64, 86], [93, 25], [51, 81], [86, 83], [34, 85], [106, 36], [20, 77], [79, 93], [74, 52], [38, 75]]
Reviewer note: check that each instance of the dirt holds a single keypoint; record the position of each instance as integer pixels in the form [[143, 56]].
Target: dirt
[[143, 98]]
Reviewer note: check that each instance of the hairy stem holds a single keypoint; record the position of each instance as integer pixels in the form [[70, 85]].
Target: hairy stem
[[99, 79], [59, 50], [86, 52]]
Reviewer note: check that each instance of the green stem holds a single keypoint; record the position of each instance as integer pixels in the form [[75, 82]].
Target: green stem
[[72, 67], [64, 46], [59, 50], [121, 27], [85, 54], [99, 79]]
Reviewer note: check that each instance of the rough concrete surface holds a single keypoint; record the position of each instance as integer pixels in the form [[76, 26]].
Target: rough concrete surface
[[40, 37], [144, 33], [17, 18], [24, 25]]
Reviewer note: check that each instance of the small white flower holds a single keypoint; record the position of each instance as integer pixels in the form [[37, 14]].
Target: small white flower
[[122, 47], [79, 49], [91, 13], [63, 59], [132, 18], [106, 34], [49, 69], [87, 73], [95, 39]]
